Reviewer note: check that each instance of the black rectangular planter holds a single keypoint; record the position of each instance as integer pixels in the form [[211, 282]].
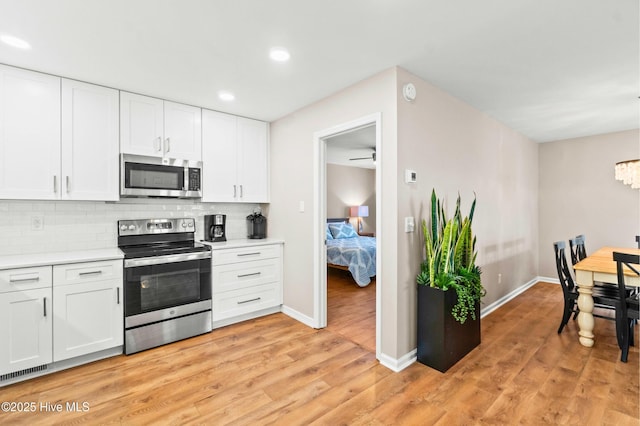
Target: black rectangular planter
[[443, 341]]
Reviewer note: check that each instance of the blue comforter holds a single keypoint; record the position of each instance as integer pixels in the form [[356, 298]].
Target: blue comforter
[[358, 254]]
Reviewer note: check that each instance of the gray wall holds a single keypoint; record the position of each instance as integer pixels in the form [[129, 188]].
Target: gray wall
[[351, 186], [579, 195]]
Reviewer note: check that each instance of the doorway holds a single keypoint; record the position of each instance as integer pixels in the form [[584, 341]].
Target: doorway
[[321, 140]]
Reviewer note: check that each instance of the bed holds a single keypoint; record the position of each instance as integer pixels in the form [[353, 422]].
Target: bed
[[348, 251]]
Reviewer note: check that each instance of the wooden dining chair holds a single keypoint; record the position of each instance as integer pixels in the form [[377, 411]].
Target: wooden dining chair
[[638, 240], [628, 309], [606, 298]]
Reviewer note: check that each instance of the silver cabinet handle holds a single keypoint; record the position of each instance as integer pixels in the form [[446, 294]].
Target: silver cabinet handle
[[67, 182], [90, 273], [44, 301], [234, 191], [55, 184], [253, 274], [241, 191], [250, 300], [248, 254], [159, 144], [168, 146], [118, 295], [23, 280]]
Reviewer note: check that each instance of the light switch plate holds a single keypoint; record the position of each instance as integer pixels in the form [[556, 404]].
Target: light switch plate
[[409, 224]]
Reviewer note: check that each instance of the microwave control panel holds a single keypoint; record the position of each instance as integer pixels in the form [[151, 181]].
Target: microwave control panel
[[194, 179]]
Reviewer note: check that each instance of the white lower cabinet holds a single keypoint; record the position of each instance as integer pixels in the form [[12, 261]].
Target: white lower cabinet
[[25, 319], [88, 308], [247, 282]]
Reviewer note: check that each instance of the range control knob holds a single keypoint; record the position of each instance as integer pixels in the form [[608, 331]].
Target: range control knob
[[184, 224], [132, 227], [123, 227], [190, 224]]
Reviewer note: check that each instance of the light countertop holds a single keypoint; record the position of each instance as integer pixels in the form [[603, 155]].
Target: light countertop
[[57, 258], [245, 242]]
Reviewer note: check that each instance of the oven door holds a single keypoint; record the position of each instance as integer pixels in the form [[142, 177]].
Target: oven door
[[156, 283]]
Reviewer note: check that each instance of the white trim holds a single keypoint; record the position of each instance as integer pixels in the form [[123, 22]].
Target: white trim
[[548, 280], [401, 363], [320, 218], [306, 320], [507, 297]]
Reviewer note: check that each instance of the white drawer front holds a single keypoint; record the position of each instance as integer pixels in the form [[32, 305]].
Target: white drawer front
[[247, 274], [25, 278], [238, 302], [244, 254], [75, 273]]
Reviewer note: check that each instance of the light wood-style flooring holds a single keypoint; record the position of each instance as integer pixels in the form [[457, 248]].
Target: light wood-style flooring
[[274, 370]]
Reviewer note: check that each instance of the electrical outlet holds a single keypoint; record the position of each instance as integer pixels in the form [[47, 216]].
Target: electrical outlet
[[409, 224], [37, 222], [499, 278]]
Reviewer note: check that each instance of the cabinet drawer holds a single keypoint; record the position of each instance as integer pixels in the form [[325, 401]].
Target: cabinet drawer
[[222, 257], [75, 273], [238, 302], [25, 278], [247, 274]]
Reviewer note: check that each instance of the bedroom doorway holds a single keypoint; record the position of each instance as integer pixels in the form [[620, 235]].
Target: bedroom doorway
[[340, 149]]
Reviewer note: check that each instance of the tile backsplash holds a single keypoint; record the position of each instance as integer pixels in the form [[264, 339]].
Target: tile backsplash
[[51, 226]]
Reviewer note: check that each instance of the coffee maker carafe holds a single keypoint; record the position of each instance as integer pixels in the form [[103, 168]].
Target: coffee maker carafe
[[256, 225], [214, 227]]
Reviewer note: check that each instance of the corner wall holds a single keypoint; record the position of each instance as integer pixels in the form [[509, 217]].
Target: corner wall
[[455, 148]]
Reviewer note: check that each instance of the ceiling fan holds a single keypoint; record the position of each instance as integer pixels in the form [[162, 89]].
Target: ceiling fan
[[371, 157]]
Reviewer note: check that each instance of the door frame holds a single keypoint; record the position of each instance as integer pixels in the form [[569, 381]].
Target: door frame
[[320, 218]]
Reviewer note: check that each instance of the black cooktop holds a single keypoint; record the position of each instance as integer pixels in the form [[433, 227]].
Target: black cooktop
[[163, 249]]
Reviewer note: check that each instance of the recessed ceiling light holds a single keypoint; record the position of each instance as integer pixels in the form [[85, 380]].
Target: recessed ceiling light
[[16, 42], [279, 54], [226, 96]]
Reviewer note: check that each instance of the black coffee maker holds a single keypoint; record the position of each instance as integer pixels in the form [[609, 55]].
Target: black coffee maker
[[256, 225], [214, 227]]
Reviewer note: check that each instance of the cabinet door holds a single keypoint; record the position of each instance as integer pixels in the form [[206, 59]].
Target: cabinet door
[[25, 329], [219, 182], [141, 125], [88, 318], [89, 142], [182, 131], [253, 161], [30, 134]]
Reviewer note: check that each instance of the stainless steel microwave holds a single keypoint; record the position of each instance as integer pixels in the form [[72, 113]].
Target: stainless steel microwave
[[143, 176]]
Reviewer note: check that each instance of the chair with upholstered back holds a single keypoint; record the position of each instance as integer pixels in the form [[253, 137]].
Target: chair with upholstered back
[[602, 298], [628, 310]]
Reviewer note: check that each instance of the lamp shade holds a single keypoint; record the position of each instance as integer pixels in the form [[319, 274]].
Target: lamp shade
[[359, 211]]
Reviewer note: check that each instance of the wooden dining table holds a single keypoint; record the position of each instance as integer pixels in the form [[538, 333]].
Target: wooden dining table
[[598, 267]]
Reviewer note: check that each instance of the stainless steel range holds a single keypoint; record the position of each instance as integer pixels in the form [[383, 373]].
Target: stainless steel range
[[167, 282]]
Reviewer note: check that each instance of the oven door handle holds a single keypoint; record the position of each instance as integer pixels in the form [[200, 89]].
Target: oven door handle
[[170, 258]]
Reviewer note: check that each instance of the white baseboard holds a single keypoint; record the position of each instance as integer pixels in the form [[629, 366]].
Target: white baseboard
[[548, 280], [399, 364], [308, 321], [507, 297]]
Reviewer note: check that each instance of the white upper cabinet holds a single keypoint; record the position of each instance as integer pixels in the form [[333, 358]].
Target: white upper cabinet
[[30, 135], [90, 151], [235, 156], [154, 127]]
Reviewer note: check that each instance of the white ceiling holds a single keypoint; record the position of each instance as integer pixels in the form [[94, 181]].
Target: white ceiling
[[353, 148], [551, 69]]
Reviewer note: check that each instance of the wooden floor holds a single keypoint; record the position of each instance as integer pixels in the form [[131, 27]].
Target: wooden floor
[[351, 310], [275, 370]]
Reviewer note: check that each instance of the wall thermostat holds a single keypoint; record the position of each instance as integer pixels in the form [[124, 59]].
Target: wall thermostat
[[409, 91], [410, 176]]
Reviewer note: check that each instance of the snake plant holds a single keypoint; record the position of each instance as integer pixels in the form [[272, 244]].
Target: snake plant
[[450, 256]]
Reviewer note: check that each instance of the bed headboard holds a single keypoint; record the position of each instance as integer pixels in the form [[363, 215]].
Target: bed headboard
[[337, 220]]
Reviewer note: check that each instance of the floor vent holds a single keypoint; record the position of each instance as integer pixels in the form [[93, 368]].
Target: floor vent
[[24, 372]]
